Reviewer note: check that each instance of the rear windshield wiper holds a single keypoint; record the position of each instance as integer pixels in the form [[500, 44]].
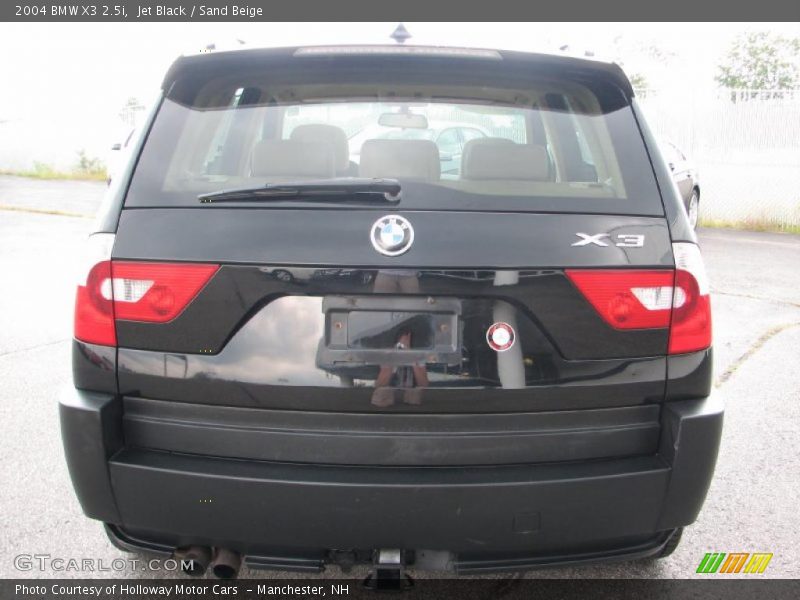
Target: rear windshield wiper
[[353, 188]]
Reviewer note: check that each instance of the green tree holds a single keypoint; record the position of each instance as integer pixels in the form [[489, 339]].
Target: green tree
[[761, 61], [87, 165], [639, 81]]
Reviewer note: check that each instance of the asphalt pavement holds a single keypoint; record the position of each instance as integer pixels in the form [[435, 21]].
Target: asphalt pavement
[[751, 506]]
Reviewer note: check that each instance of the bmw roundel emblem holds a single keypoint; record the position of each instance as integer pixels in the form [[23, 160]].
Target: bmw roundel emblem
[[392, 235]]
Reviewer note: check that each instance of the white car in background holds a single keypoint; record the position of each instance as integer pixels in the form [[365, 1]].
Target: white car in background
[[118, 153], [684, 173]]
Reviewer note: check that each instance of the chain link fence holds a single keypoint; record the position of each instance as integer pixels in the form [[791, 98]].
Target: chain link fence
[[132, 114], [746, 146]]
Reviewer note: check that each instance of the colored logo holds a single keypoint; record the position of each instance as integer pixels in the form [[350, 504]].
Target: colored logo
[[734, 562], [392, 235]]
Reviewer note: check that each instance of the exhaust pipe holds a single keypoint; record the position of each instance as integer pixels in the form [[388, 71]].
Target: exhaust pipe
[[226, 563], [194, 560]]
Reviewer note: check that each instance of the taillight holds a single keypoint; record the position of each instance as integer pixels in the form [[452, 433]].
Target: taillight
[[94, 313], [691, 321], [155, 292], [652, 299], [131, 291], [628, 299]]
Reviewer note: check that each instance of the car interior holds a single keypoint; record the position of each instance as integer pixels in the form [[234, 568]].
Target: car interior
[[555, 144]]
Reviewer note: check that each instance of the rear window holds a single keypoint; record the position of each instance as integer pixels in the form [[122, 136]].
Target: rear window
[[538, 144]]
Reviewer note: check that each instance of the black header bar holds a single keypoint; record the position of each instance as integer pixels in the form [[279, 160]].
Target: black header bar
[[405, 10]]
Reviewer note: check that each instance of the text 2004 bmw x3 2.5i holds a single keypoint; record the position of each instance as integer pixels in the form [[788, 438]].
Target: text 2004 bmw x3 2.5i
[[297, 352]]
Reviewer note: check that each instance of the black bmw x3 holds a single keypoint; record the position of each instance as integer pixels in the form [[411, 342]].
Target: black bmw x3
[[292, 352]]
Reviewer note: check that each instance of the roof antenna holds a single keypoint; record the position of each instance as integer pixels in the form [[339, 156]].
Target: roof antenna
[[400, 34]]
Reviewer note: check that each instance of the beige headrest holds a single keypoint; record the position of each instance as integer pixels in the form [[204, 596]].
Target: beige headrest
[[319, 133], [491, 158], [400, 159], [470, 146], [290, 158]]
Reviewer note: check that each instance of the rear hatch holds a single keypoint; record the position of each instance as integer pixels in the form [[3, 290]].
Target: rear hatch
[[322, 232], [265, 334]]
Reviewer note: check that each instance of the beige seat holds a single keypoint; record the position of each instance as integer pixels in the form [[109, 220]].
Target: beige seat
[[504, 160], [400, 159], [326, 135], [470, 146], [292, 159]]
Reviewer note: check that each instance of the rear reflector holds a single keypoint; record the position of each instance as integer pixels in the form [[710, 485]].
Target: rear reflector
[[654, 299], [132, 291]]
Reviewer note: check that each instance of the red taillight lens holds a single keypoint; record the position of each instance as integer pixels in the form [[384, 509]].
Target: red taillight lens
[[649, 299], [94, 313], [628, 299], [690, 329], [155, 292], [132, 291]]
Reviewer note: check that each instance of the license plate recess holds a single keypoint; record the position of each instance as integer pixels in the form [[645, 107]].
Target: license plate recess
[[368, 330]]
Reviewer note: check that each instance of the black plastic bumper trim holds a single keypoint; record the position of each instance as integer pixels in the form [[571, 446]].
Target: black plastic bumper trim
[[129, 543], [301, 564], [635, 552], [91, 431], [391, 439], [258, 506]]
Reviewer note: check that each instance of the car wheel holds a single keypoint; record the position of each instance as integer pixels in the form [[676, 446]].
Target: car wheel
[[693, 210], [283, 275]]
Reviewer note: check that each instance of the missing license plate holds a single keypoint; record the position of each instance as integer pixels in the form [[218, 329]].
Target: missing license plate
[[391, 330], [384, 330]]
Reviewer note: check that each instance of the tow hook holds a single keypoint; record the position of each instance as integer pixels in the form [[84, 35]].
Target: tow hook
[[388, 572]]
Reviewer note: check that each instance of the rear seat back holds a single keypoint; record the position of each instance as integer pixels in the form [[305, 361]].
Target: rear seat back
[[292, 159], [402, 159], [326, 135], [502, 159], [470, 146]]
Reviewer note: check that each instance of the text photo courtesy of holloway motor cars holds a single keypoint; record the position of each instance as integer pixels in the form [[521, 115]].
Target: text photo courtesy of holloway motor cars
[[468, 309]]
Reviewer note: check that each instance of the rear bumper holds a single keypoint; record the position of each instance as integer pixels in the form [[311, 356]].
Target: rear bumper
[[283, 515]]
